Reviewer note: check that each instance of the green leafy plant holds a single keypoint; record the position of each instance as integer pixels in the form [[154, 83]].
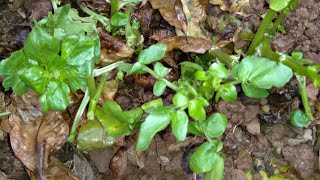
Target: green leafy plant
[[58, 57]]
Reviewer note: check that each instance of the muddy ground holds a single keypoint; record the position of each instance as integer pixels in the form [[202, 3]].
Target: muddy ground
[[259, 136]]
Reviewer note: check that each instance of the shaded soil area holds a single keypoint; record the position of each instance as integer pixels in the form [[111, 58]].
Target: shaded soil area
[[259, 136]]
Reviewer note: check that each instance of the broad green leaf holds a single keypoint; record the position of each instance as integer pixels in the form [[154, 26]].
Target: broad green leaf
[[188, 69], [119, 19], [93, 136], [112, 124], [298, 118], [159, 88], [204, 102], [77, 49], [77, 76], [196, 110], [160, 70], [152, 54], [254, 92], [117, 122], [55, 97], [156, 121], [215, 125], [195, 128], [278, 5], [35, 77], [204, 158], [263, 73], [180, 125], [217, 171], [149, 106], [41, 46], [228, 92], [181, 99], [201, 75], [218, 70], [137, 68], [11, 69]]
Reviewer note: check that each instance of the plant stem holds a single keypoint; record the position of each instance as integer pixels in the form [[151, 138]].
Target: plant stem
[[91, 86], [106, 69], [95, 99], [261, 31], [304, 95], [168, 83], [54, 5], [277, 22], [3, 114], [223, 57], [266, 51], [114, 7], [77, 119]]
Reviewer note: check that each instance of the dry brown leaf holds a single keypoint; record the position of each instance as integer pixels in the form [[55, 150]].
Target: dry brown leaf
[[55, 171], [178, 7], [109, 90], [118, 165], [35, 135], [112, 49], [82, 168], [136, 158], [188, 44], [167, 10], [194, 11], [233, 6]]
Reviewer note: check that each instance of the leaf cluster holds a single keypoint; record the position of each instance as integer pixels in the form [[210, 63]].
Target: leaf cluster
[[57, 58]]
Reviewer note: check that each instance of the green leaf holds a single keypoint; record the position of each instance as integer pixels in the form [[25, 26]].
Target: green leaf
[[181, 99], [159, 88], [35, 77], [188, 69], [156, 121], [263, 73], [254, 92], [180, 125], [152, 54], [119, 19], [217, 171], [218, 70], [137, 68], [55, 97], [201, 75], [11, 69], [41, 46], [93, 136], [149, 106], [77, 76], [195, 128], [117, 122], [196, 110], [298, 118], [77, 49], [228, 92], [204, 158], [215, 125], [278, 5], [160, 70]]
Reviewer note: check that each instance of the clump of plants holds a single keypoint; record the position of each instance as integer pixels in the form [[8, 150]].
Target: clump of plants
[[61, 51]]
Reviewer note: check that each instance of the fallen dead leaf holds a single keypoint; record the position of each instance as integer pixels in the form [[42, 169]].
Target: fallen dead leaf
[[188, 44], [112, 49], [136, 158], [35, 135], [109, 91], [55, 171], [233, 6], [118, 165], [167, 10], [82, 168]]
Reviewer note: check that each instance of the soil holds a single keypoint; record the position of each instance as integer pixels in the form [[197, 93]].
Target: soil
[[259, 136]]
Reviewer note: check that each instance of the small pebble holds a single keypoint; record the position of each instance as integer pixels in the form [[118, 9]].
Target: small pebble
[[265, 108]]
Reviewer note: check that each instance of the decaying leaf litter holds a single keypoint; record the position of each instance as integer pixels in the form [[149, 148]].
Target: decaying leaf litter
[[258, 139]]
